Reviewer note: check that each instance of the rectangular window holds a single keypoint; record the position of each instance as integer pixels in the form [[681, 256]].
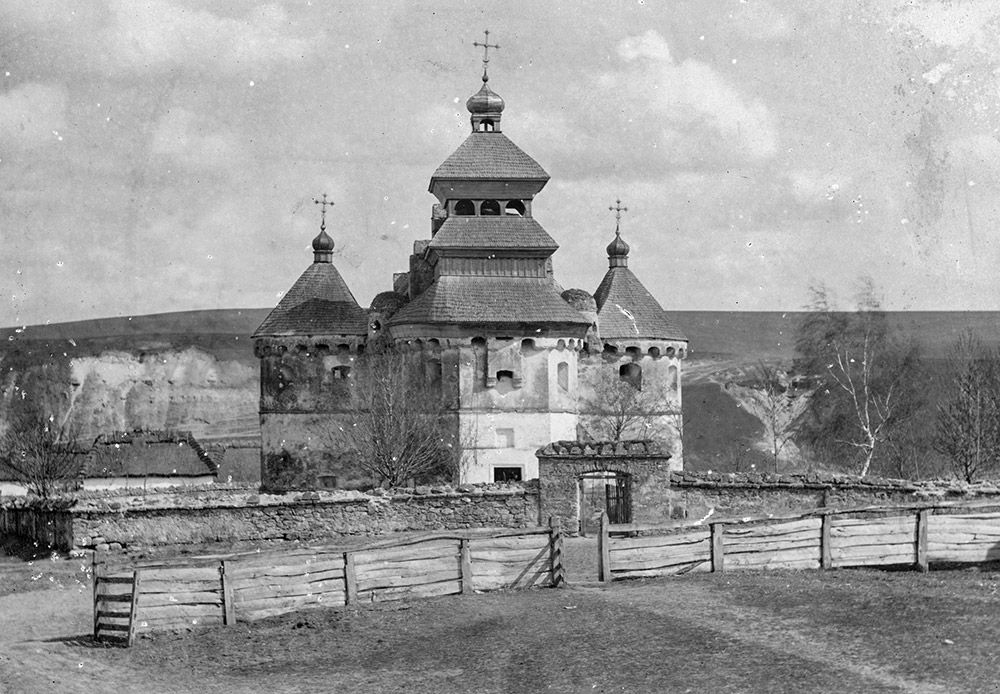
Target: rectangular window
[[507, 474], [505, 438]]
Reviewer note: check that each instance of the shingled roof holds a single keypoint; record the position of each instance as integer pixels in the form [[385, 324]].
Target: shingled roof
[[626, 309], [489, 156], [150, 454], [319, 303], [493, 232], [489, 300]]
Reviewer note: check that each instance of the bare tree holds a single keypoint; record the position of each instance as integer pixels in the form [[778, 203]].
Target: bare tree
[[620, 409], [400, 430], [772, 397], [41, 454], [863, 373], [968, 425]]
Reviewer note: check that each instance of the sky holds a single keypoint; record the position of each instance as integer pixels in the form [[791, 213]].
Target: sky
[[163, 155]]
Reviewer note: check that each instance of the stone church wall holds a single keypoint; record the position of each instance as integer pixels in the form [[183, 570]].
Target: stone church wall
[[189, 517], [695, 495]]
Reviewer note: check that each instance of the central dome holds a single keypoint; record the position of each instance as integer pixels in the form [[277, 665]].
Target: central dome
[[485, 102]]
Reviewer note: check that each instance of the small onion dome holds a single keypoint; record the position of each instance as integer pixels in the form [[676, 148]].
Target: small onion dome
[[323, 248], [618, 248], [485, 101], [580, 299], [485, 107]]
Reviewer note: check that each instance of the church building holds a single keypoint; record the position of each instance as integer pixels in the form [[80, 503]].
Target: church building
[[518, 361]]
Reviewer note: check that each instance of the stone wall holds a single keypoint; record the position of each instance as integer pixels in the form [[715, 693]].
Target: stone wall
[[694, 495], [562, 464], [180, 517]]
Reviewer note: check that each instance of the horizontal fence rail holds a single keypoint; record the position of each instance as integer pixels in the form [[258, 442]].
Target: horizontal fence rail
[[242, 587], [825, 538]]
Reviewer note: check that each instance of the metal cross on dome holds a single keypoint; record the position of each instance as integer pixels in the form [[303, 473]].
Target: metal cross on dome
[[486, 46], [618, 209], [325, 204]]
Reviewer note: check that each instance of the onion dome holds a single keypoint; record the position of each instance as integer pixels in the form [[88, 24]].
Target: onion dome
[[323, 248], [485, 107], [618, 252], [387, 303], [580, 299]]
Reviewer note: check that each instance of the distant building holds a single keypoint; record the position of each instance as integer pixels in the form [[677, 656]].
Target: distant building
[[147, 459], [517, 360]]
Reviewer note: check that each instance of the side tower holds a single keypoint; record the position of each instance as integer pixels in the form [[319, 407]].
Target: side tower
[[631, 387], [307, 347], [488, 316]]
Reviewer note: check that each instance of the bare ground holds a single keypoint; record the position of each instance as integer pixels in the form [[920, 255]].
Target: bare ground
[[839, 631]]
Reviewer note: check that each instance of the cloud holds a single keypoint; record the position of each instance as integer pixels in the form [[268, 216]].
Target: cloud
[[179, 134], [691, 97], [140, 36], [157, 33], [760, 20], [951, 24], [32, 115]]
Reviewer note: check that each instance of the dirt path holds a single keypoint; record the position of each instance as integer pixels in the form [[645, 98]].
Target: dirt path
[[755, 627]]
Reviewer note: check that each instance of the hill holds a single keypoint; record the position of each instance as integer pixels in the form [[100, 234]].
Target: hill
[[196, 370]]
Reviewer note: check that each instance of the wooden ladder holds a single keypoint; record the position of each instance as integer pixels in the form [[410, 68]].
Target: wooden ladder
[[116, 597]]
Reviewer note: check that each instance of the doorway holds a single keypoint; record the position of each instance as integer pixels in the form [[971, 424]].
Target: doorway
[[607, 491]]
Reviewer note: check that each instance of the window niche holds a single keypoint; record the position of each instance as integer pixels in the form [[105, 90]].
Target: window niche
[[504, 381], [631, 374], [562, 375], [508, 474]]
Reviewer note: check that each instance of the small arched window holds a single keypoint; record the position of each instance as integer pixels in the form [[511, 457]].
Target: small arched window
[[486, 126], [562, 374], [465, 208], [489, 208], [631, 374], [514, 208]]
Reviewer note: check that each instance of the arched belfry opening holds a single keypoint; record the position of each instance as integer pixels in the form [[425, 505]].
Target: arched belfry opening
[[489, 208], [514, 208], [465, 208]]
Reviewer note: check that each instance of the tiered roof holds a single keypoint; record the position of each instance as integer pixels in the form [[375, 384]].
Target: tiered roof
[[319, 303], [486, 301], [508, 232], [626, 309], [489, 156]]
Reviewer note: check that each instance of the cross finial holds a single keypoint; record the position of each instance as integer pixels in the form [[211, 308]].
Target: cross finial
[[618, 209], [486, 46], [325, 204]]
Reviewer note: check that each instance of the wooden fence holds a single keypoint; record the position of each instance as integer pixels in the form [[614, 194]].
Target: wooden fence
[[825, 538], [239, 587]]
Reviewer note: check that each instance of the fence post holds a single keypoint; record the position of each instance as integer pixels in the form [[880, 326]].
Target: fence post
[[466, 556], [350, 579], [923, 516], [603, 550], [556, 574], [717, 546], [824, 542], [228, 608], [97, 571], [136, 577]]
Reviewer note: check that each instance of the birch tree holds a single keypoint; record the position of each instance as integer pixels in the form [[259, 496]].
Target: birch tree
[[864, 374]]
